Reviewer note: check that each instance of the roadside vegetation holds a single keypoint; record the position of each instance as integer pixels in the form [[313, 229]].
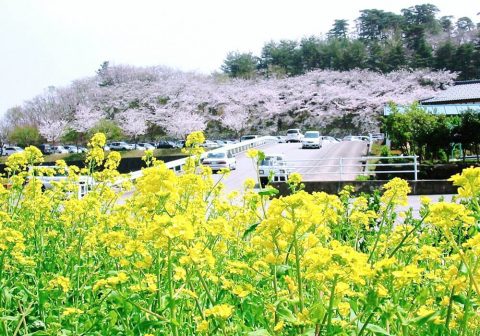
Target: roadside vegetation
[[434, 137], [179, 257]]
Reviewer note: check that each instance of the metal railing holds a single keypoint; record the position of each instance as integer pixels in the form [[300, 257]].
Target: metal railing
[[348, 166], [177, 165]]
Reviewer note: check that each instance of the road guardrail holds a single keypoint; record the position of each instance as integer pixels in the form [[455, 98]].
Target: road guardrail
[[366, 165], [177, 165]]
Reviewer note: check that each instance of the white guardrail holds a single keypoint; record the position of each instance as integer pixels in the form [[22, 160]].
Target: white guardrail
[[346, 166], [177, 165]]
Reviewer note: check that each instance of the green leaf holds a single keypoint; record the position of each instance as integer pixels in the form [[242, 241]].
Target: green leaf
[[270, 191], [424, 319], [250, 230], [282, 270], [460, 299], [377, 329], [259, 332], [8, 318], [317, 312], [113, 318], [285, 314]]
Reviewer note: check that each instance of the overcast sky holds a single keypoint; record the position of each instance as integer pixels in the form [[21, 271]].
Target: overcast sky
[[52, 42]]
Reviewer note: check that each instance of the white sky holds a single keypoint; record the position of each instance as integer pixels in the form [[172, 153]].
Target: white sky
[[52, 42]]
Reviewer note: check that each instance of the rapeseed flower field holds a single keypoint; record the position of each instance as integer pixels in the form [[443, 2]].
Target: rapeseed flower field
[[180, 257]]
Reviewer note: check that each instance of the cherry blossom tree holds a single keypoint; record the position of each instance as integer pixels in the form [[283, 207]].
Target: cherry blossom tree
[[133, 123], [52, 130], [86, 118], [179, 102]]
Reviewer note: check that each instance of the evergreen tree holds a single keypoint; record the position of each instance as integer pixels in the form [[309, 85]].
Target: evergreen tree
[[339, 29], [241, 65], [445, 56]]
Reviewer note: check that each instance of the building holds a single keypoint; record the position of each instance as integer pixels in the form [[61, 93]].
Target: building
[[462, 96]]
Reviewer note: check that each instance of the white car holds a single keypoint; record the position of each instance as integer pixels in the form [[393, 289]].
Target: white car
[[59, 150], [9, 150], [294, 135], [145, 146], [352, 138], [209, 144], [273, 167], [328, 140], [220, 160], [75, 149], [312, 139], [121, 145]]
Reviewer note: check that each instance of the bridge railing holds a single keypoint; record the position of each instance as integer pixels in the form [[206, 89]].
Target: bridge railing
[[347, 166], [236, 148]]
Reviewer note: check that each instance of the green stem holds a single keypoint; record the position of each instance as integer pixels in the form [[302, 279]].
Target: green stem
[[205, 287], [449, 310], [170, 288], [366, 323], [159, 279], [406, 236], [330, 304], [467, 305], [382, 223], [297, 264]]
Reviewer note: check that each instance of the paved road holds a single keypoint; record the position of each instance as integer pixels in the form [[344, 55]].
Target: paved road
[[314, 164]]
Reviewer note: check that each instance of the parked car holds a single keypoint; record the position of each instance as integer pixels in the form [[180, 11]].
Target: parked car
[[144, 146], [312, 139], [328, 140], [352, 138], [106, 148], [166, 144], [46, 149], [220, 160], [249, 137], [280, 138], [59, 150], [273, 166], [121, 145], [9, 150], [209, 144], [75, 149], [294, 135]]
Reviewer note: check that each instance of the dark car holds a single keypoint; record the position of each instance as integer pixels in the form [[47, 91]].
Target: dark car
[[45, 149], [166, 144]]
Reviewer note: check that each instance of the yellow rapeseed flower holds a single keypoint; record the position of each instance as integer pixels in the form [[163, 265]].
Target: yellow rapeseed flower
[[71, 311], [221, 311], [468, 182]]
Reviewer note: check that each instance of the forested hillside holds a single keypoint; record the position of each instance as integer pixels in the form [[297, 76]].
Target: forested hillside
[[378, 40], [154, 102]]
